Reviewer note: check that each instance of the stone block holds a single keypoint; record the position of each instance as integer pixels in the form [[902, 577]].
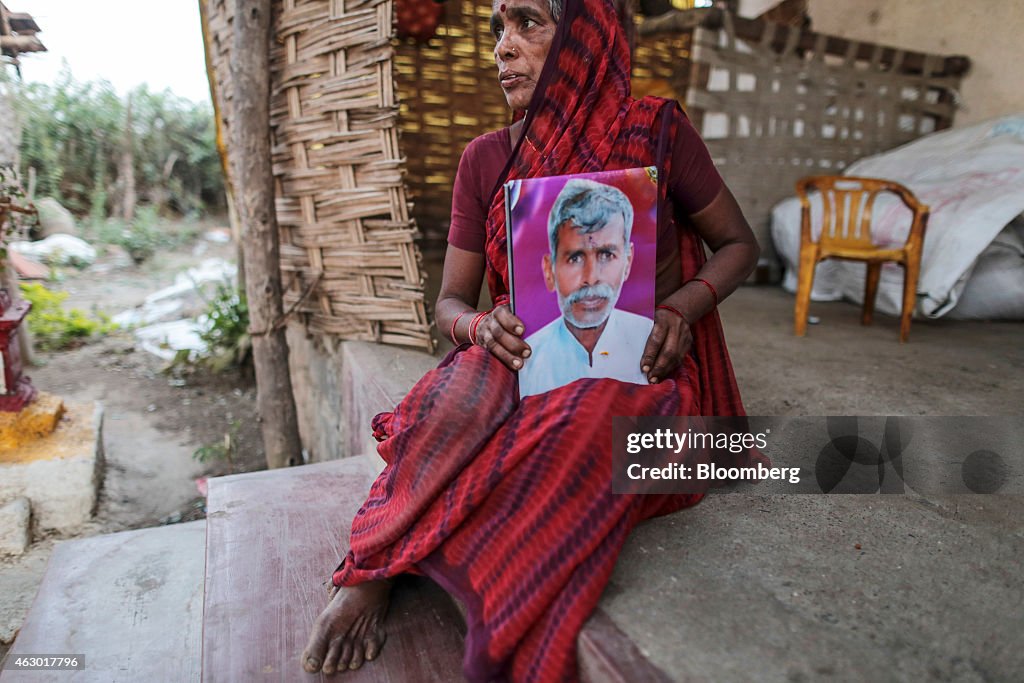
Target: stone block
[[374, 379], [339, 387], [15, 529], [753, 587], [59, 473], [35, 421], [55, 219]]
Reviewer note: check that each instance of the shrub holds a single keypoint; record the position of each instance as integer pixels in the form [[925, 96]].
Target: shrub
[[145, 235], [54, 328], [225, 331]]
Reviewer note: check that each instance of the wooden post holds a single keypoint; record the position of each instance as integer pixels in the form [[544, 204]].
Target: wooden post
[[250, 159]]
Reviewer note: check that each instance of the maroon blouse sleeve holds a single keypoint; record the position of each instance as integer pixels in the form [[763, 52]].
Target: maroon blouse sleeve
[[694, 181], [481, 163]]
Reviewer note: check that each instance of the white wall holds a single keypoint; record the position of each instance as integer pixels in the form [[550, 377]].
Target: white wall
[[987, 31], [754, 8]]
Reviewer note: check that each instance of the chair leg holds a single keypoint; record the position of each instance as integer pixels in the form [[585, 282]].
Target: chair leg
[[910, 274], [805, 282], [870, 292]]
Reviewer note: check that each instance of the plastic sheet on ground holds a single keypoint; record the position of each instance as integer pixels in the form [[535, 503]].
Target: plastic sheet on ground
[[171, 319], [973, 180], [59, 249]]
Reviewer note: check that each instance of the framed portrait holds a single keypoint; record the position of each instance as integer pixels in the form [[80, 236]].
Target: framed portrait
[[582, 254]]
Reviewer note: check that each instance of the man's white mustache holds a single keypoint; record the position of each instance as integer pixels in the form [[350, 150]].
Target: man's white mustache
[[590, 291]]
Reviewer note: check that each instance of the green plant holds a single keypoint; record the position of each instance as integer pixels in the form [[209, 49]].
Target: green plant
[[226, 329], [145, 235], [220, 450], [52, 326], [141, 238]]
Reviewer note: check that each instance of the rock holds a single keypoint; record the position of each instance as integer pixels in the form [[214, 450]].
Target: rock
[[59, 473], [15, 532], [54, 218]]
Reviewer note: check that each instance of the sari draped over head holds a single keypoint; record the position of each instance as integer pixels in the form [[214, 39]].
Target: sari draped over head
[[506, 503]]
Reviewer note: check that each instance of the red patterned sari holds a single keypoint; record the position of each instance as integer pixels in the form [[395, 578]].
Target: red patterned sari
[[508, 503]]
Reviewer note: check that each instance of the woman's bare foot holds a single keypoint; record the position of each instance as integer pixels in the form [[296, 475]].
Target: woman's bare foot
[[350, 630]]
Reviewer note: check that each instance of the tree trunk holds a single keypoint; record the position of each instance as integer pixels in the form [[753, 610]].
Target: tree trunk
[[249, 156], [126, 168]]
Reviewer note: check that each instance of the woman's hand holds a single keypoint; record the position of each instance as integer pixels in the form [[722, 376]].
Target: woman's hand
[[735, 252], [667, 345], [501, 333]]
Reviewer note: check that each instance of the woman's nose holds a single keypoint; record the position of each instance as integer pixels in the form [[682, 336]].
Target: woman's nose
[[505, 49]]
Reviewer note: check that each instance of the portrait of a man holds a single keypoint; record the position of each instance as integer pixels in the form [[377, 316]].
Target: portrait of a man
[[588, 262]]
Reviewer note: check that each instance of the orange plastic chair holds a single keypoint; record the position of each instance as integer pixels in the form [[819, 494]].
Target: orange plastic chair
[[846, 234]]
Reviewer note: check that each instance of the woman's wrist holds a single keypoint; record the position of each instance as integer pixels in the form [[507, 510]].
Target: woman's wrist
[[675, 311], [474, 327], [458, 329], [453, 334], [711, 288], [693, 300]]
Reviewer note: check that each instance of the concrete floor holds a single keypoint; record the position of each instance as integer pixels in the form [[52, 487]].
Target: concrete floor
[[948, 367]]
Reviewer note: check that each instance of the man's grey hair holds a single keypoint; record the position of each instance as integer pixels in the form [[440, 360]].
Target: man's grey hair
[[589, 205]]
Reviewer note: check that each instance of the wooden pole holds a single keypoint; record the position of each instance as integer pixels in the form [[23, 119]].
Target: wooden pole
[[22, 44], [250, 159]]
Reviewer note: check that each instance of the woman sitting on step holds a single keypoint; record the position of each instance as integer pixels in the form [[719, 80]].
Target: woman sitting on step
[[507, 503]]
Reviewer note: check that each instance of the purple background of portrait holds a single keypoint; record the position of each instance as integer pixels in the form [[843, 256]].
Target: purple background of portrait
[[533, 303]]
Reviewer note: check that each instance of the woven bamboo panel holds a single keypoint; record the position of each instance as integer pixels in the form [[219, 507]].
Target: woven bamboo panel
[[794, 103], [449, 94], [349, 261], [661, 66]]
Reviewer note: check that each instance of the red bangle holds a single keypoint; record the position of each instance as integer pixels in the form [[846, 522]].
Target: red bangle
[[707, 284], [674, 310], [456, 322], [473, 326]]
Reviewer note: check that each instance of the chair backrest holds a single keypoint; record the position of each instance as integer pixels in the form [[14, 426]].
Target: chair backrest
[[848, 202]]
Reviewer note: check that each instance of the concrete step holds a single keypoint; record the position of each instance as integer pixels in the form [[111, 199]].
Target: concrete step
[[274, 538], [130, 602], [841, 588], [374, 379]]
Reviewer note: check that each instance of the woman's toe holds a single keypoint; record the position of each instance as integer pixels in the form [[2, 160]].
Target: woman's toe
[[333, 652]]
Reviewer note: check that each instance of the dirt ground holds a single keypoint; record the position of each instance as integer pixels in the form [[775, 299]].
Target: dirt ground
[[154, 421]]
